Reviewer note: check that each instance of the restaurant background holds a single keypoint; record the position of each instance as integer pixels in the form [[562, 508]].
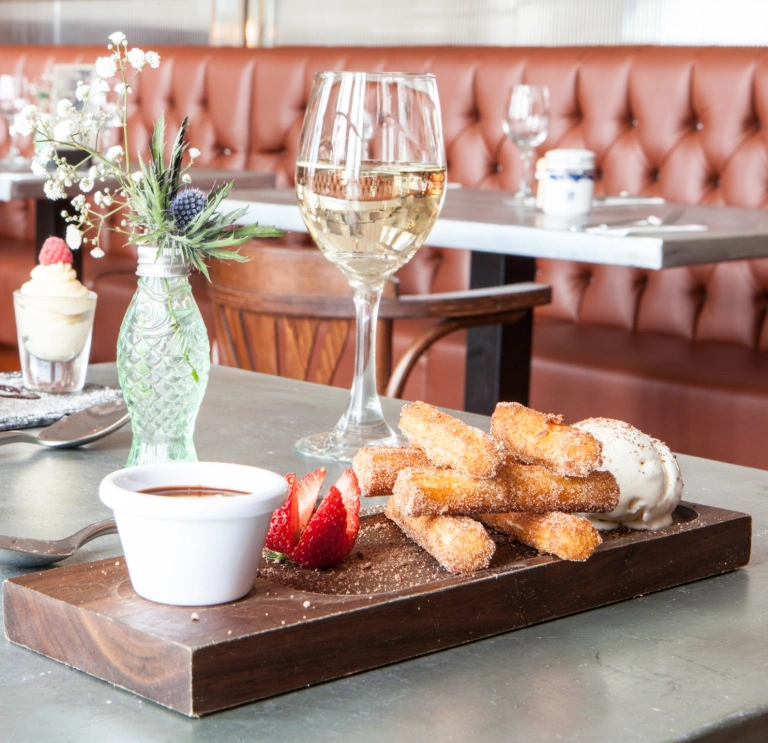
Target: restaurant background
[[370, 22]]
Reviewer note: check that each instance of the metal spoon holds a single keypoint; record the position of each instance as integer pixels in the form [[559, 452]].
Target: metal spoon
[[34, 553], [76, 429]]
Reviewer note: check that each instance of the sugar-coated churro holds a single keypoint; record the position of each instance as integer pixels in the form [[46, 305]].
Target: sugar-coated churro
[[566, 535], [376, 467], [449, 442], [538, 438], [516, 487], [460, 544]]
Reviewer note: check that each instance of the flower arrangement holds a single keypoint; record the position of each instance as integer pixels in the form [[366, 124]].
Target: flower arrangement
[[152, 201]]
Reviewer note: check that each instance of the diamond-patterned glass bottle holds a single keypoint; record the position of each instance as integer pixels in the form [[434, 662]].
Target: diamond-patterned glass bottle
[[163, 361]]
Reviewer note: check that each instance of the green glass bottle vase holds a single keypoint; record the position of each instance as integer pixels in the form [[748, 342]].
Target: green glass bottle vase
[[163, 361]]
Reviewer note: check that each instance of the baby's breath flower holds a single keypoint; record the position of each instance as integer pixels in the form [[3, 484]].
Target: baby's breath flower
[[100, 86], [78, 202], [136, 58], [186, 178], [24, 123], [97, 252], [136, 177], [121, 89], [194, 152], [106, 67], [152, 59], [74, 237], [64, 130], [83, 91], [53, 190], [114, 153], [64, 107], [117, 38], [38, 168]]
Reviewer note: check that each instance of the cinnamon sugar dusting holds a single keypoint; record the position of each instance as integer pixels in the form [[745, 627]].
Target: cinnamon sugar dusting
[[396, 563]]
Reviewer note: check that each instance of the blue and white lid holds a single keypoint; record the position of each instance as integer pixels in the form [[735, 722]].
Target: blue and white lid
[[570, 161]]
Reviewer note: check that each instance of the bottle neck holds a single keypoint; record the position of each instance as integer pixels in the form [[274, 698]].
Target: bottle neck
[[164, 263]]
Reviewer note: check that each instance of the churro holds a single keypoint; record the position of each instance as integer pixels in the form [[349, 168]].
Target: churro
[[539, 438], [376, 467], [566, 535], [449, 442], [460, 544], [517, 487]]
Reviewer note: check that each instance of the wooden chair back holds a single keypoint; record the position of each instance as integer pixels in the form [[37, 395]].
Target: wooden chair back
[[289, 311]]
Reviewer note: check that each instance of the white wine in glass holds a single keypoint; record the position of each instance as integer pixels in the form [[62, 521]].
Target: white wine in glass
[[370, 182], [526, 123]]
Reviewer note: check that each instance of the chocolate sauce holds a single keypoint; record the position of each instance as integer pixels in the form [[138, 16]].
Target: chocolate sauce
[[191, 491]]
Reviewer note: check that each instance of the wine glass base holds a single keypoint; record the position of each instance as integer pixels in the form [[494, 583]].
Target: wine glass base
[[333, 447], [525, 200]]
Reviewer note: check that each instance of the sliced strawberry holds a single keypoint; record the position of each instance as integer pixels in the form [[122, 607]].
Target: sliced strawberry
[[350, 494], [307, 491], [284, 527], [324, 541]]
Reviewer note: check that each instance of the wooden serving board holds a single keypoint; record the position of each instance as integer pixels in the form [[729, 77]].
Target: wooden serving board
[[387, 602]]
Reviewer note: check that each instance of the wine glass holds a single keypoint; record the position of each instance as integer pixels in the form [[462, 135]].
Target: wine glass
[[14, 95], [526, 122], [370, 182]]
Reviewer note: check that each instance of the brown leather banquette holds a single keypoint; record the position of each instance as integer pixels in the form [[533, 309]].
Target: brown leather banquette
[[680, 353]]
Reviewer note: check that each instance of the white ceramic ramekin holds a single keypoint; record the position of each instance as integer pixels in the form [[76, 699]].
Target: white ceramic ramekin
[[192, 551]]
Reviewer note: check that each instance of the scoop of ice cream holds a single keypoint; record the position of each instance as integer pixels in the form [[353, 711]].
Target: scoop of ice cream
[[649, 479], [54, 280]]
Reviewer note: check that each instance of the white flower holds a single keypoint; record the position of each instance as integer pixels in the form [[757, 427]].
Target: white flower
[[74, 237], [114, 153], [38, 168], [152, 59], [106, 67], [54, 190], [82, 91], [101, 86], [121, 88], [194, 152], [24, 123], [86, 185], [186, 178], [64, 107], [97, 253], [136, 58], [78, 202], [136, 177], [64, 130], [117, 38]]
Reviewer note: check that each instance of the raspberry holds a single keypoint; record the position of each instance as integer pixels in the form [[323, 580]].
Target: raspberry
[[55, 250]]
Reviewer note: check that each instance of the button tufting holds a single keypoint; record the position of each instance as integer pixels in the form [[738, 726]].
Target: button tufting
[[226, 151], [656, 176], [716, 182], [698, 126], [497, 168], [634, 122]]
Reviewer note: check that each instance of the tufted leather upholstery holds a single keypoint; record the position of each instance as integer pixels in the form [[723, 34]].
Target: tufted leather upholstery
[[683, 123]]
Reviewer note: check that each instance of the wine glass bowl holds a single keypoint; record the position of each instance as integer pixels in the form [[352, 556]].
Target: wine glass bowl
[[370, 182], [526, 123], [14, 95]]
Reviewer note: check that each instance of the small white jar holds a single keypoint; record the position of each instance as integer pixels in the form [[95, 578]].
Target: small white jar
[[193, 551], [569, 182]]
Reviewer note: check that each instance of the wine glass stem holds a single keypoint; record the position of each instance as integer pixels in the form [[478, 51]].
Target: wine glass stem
[[364, 409], [525, 178]]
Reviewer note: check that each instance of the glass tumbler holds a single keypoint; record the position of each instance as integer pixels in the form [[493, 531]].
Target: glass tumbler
[[54, 340]]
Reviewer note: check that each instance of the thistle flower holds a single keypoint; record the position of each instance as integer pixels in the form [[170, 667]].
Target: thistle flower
[[186, 205]]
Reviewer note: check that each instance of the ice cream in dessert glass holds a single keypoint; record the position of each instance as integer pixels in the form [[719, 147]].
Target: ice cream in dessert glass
[[54, 321]]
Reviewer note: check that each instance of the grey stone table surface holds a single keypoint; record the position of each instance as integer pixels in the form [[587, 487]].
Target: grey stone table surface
[[483, 220], [687, 663]]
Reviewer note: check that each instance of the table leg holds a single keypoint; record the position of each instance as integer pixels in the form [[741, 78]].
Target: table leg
[[48, 221], [499, 357]]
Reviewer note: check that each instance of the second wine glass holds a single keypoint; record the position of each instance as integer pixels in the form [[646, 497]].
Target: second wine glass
[[370, 182], [526, 123]]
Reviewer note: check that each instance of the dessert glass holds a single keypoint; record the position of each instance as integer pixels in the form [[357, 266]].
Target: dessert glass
[[193, 551], [54, 340]]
